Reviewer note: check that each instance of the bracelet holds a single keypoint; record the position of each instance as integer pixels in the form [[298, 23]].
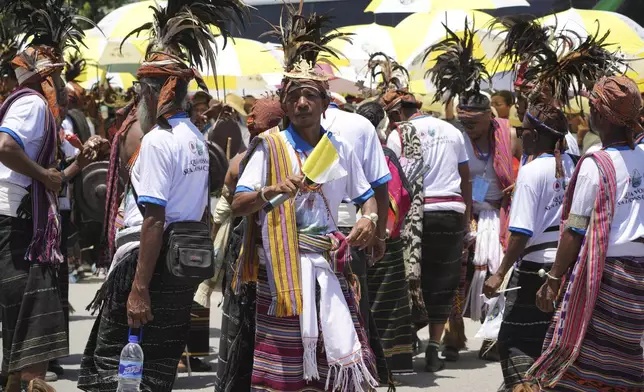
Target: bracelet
[[263, 196], [542, 273], [370, 220]]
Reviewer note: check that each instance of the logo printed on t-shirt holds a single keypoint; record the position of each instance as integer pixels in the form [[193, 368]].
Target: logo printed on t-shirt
[[196, 147], [636, 179], [557, 186]]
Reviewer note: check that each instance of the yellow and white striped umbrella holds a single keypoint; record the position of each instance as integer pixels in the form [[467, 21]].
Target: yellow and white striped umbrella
[[416, 33], [413, 6], [118, 23], [365, 41], [625, 34]]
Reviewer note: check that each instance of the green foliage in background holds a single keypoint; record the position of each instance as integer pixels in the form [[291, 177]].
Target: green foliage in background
[[97, 9]]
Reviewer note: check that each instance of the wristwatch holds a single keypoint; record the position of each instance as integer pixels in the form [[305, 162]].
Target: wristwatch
[[373, 217]]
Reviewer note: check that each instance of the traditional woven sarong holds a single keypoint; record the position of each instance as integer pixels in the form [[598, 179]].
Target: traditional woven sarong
[[576, 309], [610, 357], [33, 324], [442, 248], [237, 341], [524, 325], [389, 299], [164, 338], [199, 335], [278, 358]]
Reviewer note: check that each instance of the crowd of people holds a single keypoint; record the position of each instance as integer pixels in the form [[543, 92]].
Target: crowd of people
[[343, 225]]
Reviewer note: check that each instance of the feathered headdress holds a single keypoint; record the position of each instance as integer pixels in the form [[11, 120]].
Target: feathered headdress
[[183, 29], [387, 73], [577, 69], [302, 37], [74, 66], [457, 71], [525, 40], [180, 33], [551, 62], [50, 23]]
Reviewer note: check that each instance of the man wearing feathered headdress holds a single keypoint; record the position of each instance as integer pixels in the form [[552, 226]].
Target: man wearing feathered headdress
[[301, 247], [599, 318], [434, 227], [167, 190], [490, 146], [29, 181]]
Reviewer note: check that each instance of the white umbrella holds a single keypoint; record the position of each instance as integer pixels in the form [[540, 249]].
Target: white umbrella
[[413, 6]]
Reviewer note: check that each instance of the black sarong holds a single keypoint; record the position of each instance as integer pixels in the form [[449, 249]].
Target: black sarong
[[524, 326], [33, 324], [390, 308], [237, 341], [164, 339], [199, 336], [442, 248]]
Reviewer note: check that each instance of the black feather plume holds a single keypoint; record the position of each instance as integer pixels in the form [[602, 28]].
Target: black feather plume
[[456, 71], [387, 73], [578, 68], [525, 39], [47, 22], [74, 66], [183, 28], [305, 37]]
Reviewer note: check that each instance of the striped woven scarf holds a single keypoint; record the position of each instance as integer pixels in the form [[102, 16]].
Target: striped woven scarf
[[579, 301], [503, 168], [279, 237], [45, 243]]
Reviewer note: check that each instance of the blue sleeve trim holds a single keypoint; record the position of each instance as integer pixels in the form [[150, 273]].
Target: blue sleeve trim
[[14, 136], [365, 196], [464, 162], [242, 188], [381, 181], [521, 231], [578, 231], [152, 200]]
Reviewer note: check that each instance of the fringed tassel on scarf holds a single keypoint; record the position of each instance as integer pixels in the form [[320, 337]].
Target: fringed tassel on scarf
[[310, 360], [45, 245], [120, 279], [353, 377]]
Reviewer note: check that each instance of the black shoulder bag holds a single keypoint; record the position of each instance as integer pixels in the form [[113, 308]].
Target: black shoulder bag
[[189, 249]]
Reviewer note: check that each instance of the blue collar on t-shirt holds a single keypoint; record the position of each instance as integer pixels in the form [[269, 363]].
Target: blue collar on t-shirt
[[299, 144], [334, 105], [178, 115], [618, 148]]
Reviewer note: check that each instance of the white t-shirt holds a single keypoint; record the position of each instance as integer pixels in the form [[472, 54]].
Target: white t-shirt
[[573, 147], [361, 136], [485, 169], [628, 222], [312, 215], [25, 123], [171, 171], [537, 204], [64, 197], [443, 150]]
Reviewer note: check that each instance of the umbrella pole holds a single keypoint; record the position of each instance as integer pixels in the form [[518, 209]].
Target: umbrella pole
[[228, 147]]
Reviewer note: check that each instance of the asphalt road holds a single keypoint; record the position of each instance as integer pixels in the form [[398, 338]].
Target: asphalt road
[[469, 374]]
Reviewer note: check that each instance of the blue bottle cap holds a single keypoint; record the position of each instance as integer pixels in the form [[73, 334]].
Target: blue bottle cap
[[133, 339]]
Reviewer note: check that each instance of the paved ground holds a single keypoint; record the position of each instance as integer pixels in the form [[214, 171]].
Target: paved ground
[[469, 374]]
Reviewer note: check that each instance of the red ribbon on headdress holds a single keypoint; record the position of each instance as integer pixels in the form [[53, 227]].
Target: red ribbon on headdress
[[37, 64], [172, 69]]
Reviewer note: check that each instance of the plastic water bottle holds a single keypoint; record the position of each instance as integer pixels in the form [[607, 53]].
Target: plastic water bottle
[[131, 366]]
